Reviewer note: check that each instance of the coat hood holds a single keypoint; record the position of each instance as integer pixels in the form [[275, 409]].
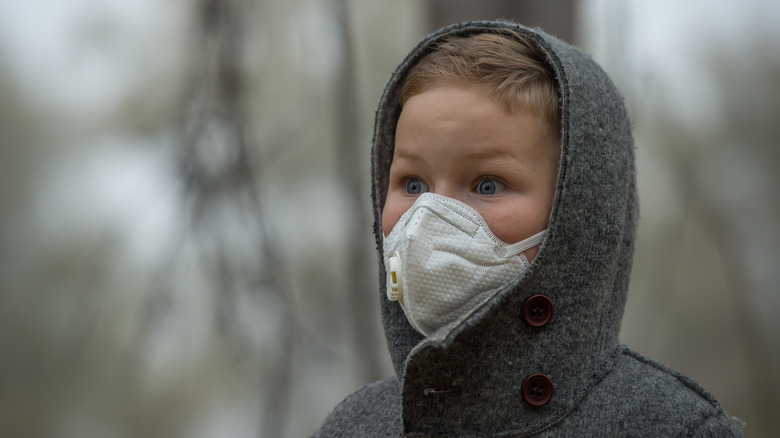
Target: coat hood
[[583, 265]]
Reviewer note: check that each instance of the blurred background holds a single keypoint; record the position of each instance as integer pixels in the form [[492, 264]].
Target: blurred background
[[185, 244]]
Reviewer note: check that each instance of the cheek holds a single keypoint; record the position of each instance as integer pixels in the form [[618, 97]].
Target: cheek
[[393, 211], [387, 222], [514, 221], [506, 227]]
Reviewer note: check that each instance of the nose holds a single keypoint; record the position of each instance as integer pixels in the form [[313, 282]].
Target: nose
[[448, 190]]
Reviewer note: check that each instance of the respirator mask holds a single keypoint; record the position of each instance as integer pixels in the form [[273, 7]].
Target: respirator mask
[[442, 261]]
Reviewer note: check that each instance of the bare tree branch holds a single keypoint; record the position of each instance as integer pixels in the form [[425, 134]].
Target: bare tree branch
[[361, 283]]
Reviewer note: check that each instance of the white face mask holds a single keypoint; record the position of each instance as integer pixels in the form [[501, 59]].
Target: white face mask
[[443, 261]]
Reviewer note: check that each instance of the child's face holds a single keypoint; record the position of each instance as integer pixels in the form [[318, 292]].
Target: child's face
[[458, 142]]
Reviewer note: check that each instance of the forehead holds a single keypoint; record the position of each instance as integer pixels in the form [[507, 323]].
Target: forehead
[[454, 128], [464, 115]]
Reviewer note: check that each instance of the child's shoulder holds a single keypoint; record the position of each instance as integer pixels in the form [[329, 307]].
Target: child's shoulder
[[641, 394], [372, 411], [651, 375]]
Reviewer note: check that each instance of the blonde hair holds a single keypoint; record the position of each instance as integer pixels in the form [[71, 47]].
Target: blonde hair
[[508, 68]]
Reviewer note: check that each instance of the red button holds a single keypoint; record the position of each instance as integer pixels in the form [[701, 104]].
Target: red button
[[537, 389], [537, 310]]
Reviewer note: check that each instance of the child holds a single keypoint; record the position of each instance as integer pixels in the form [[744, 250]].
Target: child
[[506, 210]]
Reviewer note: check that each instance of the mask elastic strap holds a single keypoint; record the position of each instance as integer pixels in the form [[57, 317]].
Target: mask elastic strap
[[517, 248]]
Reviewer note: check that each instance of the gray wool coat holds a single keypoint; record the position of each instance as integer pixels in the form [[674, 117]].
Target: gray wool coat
[[468, 379]]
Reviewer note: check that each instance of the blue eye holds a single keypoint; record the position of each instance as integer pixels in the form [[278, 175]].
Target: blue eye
[[414, 186], [489, 187]]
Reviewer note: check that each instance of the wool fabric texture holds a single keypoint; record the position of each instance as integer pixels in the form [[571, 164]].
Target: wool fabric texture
[[466, 379]]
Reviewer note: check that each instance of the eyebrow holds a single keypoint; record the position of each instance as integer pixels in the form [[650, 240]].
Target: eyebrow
[[405, 155], [485, 153]]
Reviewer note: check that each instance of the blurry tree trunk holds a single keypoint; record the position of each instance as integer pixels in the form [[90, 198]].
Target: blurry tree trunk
[[754, 343], [554, 16], [704, 207], [220, 183], [361, 284]]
